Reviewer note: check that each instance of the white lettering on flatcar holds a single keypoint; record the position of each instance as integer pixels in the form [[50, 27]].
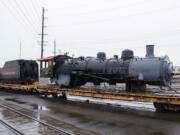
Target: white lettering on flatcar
[[9, 73]]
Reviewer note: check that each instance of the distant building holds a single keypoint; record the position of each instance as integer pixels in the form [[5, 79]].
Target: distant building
[[47, 64], [46, 70]]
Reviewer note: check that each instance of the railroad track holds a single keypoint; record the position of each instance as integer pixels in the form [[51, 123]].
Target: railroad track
[[11, 128], [53, 130]]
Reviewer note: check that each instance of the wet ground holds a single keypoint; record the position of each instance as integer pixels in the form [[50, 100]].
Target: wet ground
[[84, 118]]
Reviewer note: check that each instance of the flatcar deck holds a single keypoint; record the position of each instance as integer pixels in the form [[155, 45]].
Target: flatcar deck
[[168, 98]]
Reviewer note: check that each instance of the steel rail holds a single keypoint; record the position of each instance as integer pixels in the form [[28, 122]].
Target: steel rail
[[13, 129], [41, 122]]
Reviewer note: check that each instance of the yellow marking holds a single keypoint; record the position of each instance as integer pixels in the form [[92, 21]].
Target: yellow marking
[[113, 95]]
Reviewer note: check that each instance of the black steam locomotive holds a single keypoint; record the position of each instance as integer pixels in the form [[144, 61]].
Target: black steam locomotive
[[19, 71], [73, 72]]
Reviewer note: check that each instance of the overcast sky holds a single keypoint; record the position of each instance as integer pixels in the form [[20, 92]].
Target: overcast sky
[[84, 27]]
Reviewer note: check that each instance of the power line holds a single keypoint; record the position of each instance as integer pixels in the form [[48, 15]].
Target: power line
[[36, 9], [14, 8], [12, 13], [17, 11], [20, 21], [18, 5], [40, 3], [29, 14]]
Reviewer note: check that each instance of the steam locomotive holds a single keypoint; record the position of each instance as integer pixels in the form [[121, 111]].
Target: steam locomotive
[[73, 72], [19, 71]]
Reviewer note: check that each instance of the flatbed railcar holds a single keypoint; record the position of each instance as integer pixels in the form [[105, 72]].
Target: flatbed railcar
[[163, 100]]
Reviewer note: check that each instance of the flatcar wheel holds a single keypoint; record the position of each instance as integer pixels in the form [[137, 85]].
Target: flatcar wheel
[[64, 96], [159, 107], [45, 95], [166, 107], [174, 108], [55, 95], [128, 85]]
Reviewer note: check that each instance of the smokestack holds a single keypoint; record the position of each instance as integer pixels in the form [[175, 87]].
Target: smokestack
[[149, 50]]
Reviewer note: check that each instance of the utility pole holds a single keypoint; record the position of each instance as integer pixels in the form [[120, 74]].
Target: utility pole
[[42, 35], [55, 48], [20, 50]]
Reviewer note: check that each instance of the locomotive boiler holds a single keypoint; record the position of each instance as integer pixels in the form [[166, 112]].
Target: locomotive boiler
[[19, 71], [73, 72]]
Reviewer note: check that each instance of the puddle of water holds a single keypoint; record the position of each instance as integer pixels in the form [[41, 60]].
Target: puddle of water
[[40, 107], [43, 108]]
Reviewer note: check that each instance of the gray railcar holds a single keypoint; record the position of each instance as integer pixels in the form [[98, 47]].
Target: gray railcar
[[19, 71]]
